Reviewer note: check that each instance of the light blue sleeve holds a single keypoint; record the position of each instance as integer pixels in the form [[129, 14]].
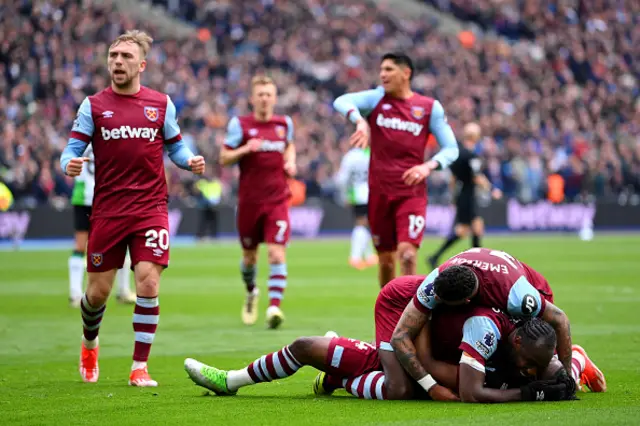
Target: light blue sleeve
[[75, 148], [425, 294], [481, 334], [233, 139], [180, 154], [290, 132], [524, 300], [443, 133], [171, 128], [358, 104], [84, 120]]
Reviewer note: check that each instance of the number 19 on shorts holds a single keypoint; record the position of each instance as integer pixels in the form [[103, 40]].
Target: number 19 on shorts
[[416, 225]]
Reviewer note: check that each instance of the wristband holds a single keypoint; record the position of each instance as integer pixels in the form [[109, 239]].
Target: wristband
[[427, 382]]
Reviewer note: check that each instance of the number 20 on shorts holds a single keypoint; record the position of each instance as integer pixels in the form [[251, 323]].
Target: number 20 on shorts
[[157, 239]]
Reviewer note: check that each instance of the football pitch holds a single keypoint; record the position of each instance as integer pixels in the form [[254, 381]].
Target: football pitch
[[595, 282]]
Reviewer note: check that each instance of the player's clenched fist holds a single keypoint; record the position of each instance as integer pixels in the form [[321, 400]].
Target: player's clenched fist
[[74, 167], [197, 164]]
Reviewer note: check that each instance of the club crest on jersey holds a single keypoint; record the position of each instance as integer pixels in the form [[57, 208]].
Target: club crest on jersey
[[253, 132], [417, 112], [281, 132], [96, 259], [151, 113]]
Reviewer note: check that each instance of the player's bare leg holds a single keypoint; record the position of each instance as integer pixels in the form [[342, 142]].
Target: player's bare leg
[[277, 283], [407, 253], [124, 294], [145, 320], [248, 271], [386, 267], [459, 231], [77, 268], [92, 308], [477, 231]]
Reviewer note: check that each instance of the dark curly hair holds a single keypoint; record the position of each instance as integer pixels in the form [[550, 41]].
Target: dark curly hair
[[455, 283], [538, 333]]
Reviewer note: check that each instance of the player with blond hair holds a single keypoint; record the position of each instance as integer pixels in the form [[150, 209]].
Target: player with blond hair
[[129, 127], [262, 145]]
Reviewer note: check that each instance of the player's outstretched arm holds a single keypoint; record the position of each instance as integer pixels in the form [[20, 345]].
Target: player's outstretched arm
[[358, 104], [560, 323], [440, 128], [472, 387]]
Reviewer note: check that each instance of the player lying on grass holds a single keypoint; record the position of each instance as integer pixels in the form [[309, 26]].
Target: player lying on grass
[[449, 335], [354, 365], [483, 277]]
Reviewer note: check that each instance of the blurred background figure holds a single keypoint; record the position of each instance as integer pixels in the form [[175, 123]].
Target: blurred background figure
[[209, 191], [466, 174], [352, 179]]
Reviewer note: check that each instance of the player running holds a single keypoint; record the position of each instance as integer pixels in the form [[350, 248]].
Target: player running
[[488, 278], [82, 199], [129, 127], [352, 178], [262, 145], [466, 171], [399, 122]]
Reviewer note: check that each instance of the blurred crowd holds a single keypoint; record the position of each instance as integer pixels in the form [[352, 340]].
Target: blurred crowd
[[559, 98]]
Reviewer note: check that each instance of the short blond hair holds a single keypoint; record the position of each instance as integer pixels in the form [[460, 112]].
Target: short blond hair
[[138, 37], [261, 80], [472, 131]]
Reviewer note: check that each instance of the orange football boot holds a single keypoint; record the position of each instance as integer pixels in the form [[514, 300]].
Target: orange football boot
[[358, 264], [89, 364], [140, 377], [591, 376]]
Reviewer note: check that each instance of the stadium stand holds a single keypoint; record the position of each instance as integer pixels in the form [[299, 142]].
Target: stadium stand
[[550, 100]]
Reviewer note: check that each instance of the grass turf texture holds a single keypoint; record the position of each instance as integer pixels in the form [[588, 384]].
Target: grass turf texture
[[201, 297]]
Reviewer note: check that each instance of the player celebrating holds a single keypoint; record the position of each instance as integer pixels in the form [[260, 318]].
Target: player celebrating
[[81, 199], [129, 126], [262, 145], [344, 358], [466, 171], [352, 177], [488, 278], [399, 122]]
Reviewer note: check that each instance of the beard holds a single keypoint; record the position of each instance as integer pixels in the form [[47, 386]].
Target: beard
[[122, 81]]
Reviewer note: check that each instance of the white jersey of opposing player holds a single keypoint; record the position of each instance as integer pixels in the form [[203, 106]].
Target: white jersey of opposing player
[[353, 176], [85, 183]]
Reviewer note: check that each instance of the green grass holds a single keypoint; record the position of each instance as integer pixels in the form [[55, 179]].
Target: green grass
[[201, 295]]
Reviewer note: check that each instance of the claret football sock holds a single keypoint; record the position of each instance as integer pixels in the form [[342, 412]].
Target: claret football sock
[[277, 283], [367, 386], [276, 365], [146, 315]]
